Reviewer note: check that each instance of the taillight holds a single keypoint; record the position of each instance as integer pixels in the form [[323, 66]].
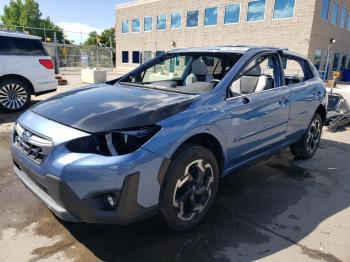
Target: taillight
[[47, 63]]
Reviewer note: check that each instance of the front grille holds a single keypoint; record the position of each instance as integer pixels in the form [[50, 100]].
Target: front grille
[[33, 146]]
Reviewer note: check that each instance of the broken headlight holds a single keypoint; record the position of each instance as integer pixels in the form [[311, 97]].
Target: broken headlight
[[114, 143]]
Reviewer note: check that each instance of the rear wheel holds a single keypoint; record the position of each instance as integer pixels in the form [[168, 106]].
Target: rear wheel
[[307, 146], [14, 95], [189, 187]]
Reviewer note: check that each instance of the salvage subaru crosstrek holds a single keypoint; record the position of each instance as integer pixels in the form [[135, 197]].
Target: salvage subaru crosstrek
[[158, 139]]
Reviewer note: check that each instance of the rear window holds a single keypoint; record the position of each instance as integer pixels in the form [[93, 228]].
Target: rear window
[[21, 46]]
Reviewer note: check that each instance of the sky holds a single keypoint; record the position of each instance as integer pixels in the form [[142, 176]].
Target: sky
[[78, 15]]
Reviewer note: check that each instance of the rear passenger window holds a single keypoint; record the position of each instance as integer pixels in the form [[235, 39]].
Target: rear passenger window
[[21, 46], [296, 70]]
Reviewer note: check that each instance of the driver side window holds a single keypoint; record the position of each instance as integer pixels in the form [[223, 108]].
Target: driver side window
[[258, 76]]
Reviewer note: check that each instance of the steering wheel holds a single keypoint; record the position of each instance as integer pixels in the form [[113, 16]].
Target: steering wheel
[[215, 81]]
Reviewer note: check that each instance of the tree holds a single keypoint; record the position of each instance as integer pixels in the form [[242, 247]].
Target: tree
[[107, 36], [93, 39], [26, 16], [104, 39]]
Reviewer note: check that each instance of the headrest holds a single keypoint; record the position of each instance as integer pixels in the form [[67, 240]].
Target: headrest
[[254, 71], [199, 67]]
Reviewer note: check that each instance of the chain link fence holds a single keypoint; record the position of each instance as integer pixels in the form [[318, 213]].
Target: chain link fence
[[67, 54], [73, 57]]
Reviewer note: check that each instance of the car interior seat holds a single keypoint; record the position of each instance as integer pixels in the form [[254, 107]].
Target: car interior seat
[[199, 72], [252, 81]]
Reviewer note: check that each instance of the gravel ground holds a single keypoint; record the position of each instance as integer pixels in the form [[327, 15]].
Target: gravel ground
[[277, 210]]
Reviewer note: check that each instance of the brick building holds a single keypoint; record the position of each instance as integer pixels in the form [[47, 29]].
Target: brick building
[[147, 28]]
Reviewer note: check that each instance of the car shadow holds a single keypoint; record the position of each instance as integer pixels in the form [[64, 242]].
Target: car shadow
[[258, 211]]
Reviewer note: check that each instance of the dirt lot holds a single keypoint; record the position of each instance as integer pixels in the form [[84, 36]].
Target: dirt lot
[[277, 210]]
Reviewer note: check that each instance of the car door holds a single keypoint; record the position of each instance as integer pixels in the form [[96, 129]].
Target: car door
[[258, 118], [303, 90]]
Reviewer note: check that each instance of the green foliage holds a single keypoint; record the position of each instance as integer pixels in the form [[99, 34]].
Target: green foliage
[[107, 36], [93, 39], [20, 15], [104, 39]]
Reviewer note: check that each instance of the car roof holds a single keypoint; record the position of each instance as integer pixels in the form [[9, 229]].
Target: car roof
[[18, 34], [241, 49], [224, 49]]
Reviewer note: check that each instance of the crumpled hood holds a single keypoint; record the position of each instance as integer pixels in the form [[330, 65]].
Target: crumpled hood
[[106, 107]]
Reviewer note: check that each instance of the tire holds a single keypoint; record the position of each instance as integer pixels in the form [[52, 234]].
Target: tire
[[197, 189], [14, 95], [307, 146]]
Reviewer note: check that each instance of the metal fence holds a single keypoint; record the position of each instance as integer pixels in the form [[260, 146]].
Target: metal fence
[[72, 57], [65, 53]]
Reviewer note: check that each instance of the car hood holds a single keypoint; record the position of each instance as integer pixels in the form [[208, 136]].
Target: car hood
[[106, 107]]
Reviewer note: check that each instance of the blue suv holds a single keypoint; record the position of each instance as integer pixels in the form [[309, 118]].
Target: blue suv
[[157, 140]]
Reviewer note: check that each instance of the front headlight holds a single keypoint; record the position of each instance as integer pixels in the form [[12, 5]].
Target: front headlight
[[120, 142]]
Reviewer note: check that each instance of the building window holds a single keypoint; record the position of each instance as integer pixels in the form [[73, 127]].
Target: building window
[[161, 22], [317, 58], [135, 57], [343, 61], [256, 10], [336, 61], [335, 11], [343, 17], [283, 9], [232, 14], [211, 16], [349, 22], [136, 25], [147, 24], [325, 9], [125, 57], [192, 18], [125, 26], [175, 20]]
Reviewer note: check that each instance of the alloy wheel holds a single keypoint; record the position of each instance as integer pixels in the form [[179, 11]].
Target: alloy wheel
[[13, 96], [193, 190], [314, 135]]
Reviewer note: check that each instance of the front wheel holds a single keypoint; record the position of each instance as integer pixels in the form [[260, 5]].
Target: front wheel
[[307, 146], [14, 95], [189, 188]]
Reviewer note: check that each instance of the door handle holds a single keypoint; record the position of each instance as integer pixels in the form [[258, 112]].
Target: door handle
[[245, 100], [284, 101]]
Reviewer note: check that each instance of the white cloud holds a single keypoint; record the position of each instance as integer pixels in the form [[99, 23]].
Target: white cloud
[[77, 31]]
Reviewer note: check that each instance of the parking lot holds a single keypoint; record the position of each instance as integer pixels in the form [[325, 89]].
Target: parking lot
[[277, 210]]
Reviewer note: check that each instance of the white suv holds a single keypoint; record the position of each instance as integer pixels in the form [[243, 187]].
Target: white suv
[[25, 69]]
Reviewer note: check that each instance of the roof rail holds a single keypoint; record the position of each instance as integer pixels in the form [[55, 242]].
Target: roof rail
[[13, 31]]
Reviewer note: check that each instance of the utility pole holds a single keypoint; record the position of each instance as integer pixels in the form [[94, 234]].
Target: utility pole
[[57, 60], [45, 32], [325, 75]]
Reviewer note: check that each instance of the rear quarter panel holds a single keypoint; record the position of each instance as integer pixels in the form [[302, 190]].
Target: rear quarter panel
[[30, 68], [305, 99]]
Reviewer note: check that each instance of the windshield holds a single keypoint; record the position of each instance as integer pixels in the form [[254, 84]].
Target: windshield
[[183, 72]]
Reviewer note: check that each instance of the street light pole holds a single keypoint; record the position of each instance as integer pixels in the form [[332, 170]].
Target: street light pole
[[331, 42]]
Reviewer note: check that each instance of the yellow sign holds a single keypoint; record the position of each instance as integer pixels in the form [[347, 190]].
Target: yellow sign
[[65, 52], [336, 74]]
